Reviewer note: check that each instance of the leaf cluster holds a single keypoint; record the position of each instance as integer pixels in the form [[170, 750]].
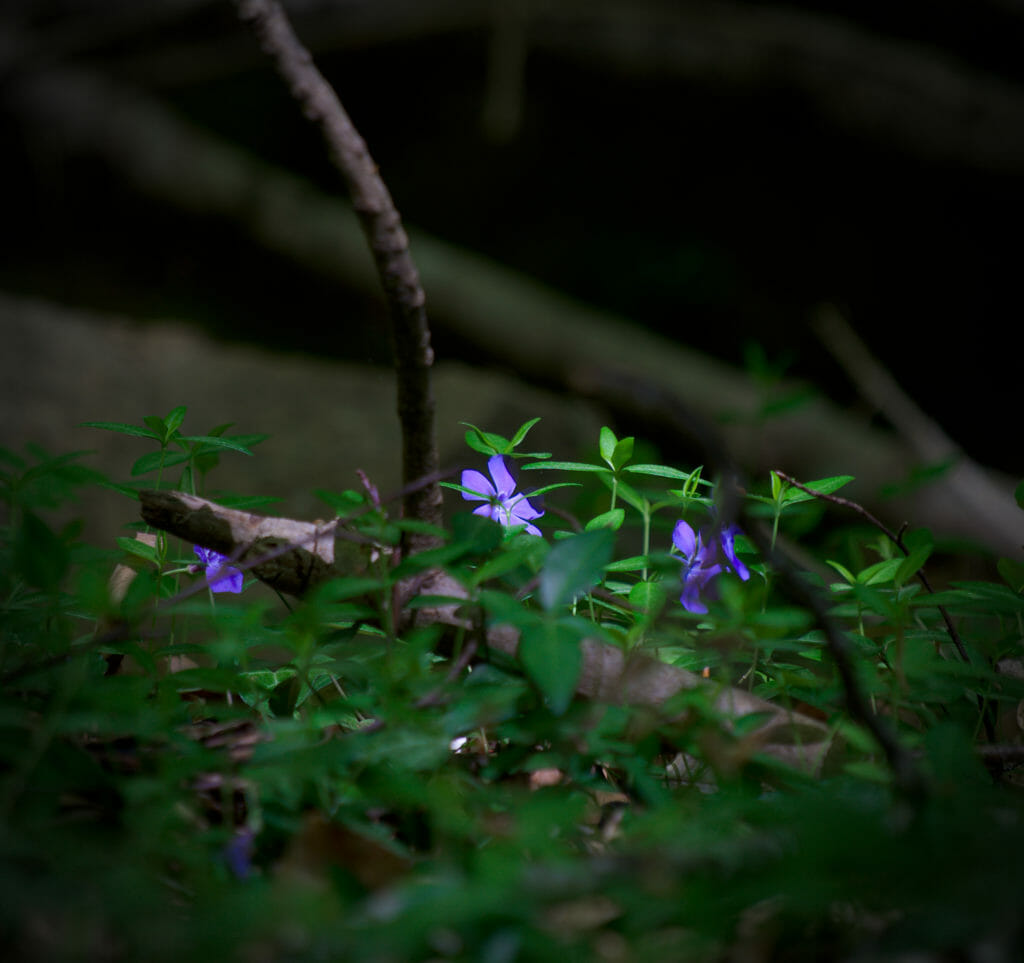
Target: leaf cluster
[[343, 777]]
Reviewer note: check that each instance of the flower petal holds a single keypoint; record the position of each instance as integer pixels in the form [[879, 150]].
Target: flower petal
[[691, 598], [490, 511], [729, 551], [504, 483], [207, 555], [230, 581], [477, 482], [685, 539]]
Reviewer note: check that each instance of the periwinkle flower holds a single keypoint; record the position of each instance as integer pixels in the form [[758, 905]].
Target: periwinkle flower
[[702, 562], [238, 853], [498, 493], [213, 562]]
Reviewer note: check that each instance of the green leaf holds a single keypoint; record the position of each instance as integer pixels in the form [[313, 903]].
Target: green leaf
[[660, 471], [1018, 494], [156, 424], [174, 419], [607, 443], [573, 566], [622, 453], [124, 429], [648, 596], [611, 519], [634, 563], [485, 442], [139, 549], [1012, 573], [567, 466], [518, 437], [513, 557], [842, 570], [880, 572], [550, 655], [823, 486], [912, 564], [247, 440], [214, 442]]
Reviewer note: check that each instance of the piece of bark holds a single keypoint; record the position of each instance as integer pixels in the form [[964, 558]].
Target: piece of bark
[[288, 555]]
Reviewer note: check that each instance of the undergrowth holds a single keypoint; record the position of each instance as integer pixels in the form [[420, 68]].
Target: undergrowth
[[193, 772]]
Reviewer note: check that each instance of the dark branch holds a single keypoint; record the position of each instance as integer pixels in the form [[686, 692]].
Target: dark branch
[[382, 225], [896, 538]]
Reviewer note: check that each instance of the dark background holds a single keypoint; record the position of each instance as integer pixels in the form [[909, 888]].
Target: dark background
[[750, 162]]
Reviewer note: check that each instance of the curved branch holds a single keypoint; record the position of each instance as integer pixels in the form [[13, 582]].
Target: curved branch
[[382, 225]]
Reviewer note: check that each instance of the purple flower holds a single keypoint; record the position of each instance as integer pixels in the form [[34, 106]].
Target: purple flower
[[501, 502], [238, 853], [702, 562], [213, 562]]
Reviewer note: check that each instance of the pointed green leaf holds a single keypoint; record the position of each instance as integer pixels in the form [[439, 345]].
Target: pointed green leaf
[[912, 564], [566, 466], [660, 471], [622, 453], [573, 566], [214, 442], [518, 437], [611, 519], [1012, 573], [648, 596], [124, 429], [632, 564], [156, 424], [606, 444], [842, 570], [551, 657], [174, 419], [880, 572], [823, 486], [493, 444], [139, 549]]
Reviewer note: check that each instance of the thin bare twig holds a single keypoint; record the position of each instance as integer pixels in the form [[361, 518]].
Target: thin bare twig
[[896, 538], [382, 225]]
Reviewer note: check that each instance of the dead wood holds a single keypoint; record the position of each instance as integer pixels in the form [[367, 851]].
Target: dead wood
[[288, 555]]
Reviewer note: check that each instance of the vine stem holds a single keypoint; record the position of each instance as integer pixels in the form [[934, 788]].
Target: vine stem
[[389, 243]]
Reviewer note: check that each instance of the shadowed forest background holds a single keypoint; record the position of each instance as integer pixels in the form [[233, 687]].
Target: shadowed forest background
[[712, 172], [690, 714]]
